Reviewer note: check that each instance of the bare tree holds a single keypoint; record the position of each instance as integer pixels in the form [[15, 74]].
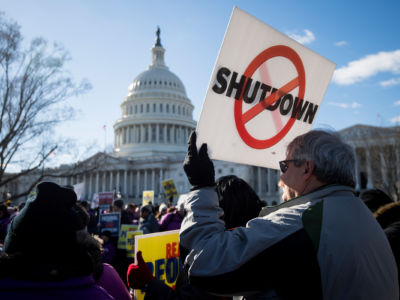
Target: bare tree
[[34, 87]]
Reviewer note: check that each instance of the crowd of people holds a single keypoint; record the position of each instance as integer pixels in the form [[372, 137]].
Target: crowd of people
[[321, 242]]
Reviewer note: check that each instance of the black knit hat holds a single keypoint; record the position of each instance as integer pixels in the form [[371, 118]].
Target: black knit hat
[[375, 198], [47, 223]]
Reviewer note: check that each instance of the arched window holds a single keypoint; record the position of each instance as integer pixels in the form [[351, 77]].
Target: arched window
[[173, 109], [179, 110], [167, 108]]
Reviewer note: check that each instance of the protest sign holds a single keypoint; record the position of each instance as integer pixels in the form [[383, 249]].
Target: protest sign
[[79, 190], [110, 222], [265, 90], [95, 201], [130, 242], [106, 199], [124, 229], [169, 188], [148, 196], [161, 253]]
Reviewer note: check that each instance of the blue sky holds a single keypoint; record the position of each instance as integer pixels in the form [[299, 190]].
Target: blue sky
[[110, 42]]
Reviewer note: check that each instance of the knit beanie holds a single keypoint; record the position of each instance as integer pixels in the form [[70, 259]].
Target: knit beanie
[[47, 223], [375, 198]]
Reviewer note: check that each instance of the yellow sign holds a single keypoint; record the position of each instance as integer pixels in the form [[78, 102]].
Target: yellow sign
[[125, 228], [169, 188], [148, 196], [130, 242], [161, 253]]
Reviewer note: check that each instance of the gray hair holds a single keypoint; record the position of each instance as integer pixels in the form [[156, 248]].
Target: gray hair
[[334, 160]]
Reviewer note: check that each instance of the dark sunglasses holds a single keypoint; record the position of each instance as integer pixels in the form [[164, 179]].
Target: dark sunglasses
[[284, 164]]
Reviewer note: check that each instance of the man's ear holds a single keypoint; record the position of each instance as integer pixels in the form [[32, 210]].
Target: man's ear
[[308, 168]]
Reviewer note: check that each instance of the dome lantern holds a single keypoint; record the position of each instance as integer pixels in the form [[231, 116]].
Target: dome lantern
[[158, 53]]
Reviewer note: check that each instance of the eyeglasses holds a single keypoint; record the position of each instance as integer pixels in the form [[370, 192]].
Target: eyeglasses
[[284, 164]]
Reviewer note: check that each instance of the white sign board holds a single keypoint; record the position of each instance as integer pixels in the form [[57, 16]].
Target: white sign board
[[265, 90]]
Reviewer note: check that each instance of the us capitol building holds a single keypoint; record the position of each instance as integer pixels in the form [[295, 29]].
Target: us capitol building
[[150, 143]]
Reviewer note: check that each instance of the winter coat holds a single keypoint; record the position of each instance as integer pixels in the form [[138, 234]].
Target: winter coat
[[149, 225], [113, 284], [323, 245], [388, 216], [74, 288], [4, 228]]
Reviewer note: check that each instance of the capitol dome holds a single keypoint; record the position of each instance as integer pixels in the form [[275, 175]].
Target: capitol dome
[[156, 114]]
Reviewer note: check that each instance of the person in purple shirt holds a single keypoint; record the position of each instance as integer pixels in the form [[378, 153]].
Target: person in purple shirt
[[173, 218]]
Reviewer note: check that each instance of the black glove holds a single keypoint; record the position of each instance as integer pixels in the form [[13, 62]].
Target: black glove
[[198, 166]]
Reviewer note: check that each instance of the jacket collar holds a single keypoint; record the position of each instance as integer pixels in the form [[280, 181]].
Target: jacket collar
[[319, 193]]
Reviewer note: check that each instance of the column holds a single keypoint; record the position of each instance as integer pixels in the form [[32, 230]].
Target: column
[[104, 187], [357, 175], [90, 189], [111, 181], [117, 183], [126, 189], [269, 189], [97, 182], [153, 180], [137, 183], [383, 165], [186, 134], [157, 133], [134, 139], [161, 179], [145, 179], [369, 169], [171, 134], [141, 133]]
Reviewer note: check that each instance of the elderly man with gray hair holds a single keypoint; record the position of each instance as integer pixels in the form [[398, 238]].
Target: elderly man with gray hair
[[322, 242]]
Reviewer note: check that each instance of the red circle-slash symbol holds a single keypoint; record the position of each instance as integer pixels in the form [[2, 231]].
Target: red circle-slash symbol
[[242, 118]]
